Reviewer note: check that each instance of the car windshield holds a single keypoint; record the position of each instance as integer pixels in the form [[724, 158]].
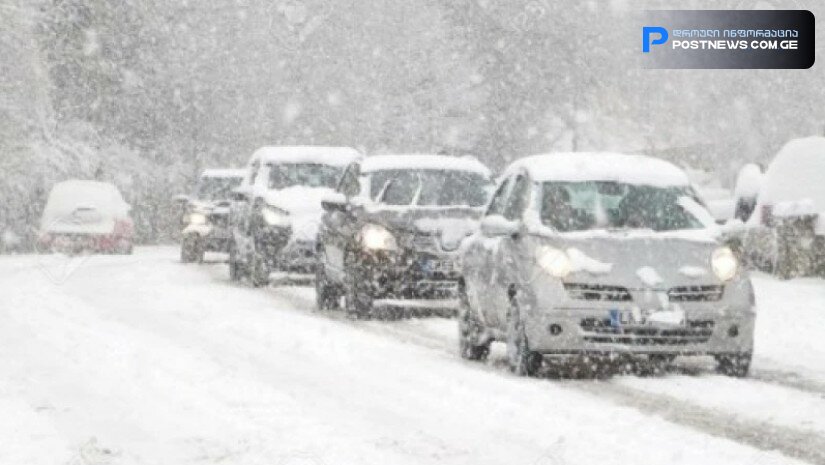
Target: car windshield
[[285, 175], [430, 187], [581, 206], [213, 188]]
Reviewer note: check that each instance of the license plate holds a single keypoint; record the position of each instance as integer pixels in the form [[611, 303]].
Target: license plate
[[440, 266], [652, 317]]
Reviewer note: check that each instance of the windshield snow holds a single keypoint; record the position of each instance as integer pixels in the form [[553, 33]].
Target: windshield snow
[[581, 206], [430, 188], [286, 175]]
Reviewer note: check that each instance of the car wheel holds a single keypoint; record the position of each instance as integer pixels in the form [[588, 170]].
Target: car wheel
[[237, 270], [736, 365], [259, 273], [522, 361], [327, 294], [471, 345], [358, 301], [188, 250]]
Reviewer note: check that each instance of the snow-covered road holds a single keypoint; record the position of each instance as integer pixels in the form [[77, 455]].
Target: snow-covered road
[[126, 360]]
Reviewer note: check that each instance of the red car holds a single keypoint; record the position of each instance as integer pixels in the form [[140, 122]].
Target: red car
[[86, 216]]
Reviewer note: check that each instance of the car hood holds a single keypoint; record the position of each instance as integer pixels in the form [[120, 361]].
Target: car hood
[[304, 207], [450, 225], [654, 261]]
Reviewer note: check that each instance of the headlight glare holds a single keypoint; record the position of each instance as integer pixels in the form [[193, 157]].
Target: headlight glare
[[724, 263], [376, 237], [554, 261], [197, 219]]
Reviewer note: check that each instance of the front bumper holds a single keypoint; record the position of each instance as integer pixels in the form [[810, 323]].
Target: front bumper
[[576, 327], [411, 280]]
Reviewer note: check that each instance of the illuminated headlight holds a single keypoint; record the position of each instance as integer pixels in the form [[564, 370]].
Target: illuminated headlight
[[275, 217], [197, 219], [724, 263], [554, 261], [376, 237]]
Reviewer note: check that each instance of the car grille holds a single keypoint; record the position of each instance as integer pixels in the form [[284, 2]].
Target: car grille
[[712, 293], [600, 331], [597, 292], [219, 220], [425, 242]]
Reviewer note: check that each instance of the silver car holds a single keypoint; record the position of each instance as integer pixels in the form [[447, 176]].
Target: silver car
[[602, 255]]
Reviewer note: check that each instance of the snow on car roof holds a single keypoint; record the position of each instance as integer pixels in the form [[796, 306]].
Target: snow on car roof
[[423, 162], [223, 173], [334, 156], [601, 166], [67, 196]]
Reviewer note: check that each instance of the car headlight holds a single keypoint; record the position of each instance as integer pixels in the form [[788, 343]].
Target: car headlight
[[724, 263], [376, 237], [554, 261], [196, 219], [275, 217]]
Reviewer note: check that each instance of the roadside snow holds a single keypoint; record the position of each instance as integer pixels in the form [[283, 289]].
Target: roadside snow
[[141, 360]]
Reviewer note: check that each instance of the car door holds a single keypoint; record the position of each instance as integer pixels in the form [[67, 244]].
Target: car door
[[241, 207], [512, 251], [480, 260], [337, 227]]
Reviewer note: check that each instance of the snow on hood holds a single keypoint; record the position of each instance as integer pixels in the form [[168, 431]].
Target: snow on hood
[[580, 261], [451, 230], [304, 207], [638, 262]]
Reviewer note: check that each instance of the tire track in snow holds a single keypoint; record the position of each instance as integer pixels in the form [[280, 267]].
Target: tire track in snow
[[803, 445]]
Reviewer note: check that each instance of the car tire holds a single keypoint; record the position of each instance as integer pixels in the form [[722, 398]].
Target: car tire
[[327, 294], [358, 301], [237, 270], [521, 360], [191, 250], [259, 271], [735, 365], [470, 343]]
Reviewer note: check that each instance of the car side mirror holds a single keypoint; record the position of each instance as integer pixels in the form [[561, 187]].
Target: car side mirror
[[497, 225], [334, 202]]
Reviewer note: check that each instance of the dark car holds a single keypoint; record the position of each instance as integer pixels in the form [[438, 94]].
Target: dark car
[[390, 234], [206, 217], [277, 209]]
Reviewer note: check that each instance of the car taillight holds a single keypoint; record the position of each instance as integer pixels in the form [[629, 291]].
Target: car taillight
[[767, 215]]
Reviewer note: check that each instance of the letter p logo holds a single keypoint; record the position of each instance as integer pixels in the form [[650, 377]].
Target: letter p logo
[[647, 31]]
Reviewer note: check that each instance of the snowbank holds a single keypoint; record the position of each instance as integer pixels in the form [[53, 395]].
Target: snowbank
[[793, 180]]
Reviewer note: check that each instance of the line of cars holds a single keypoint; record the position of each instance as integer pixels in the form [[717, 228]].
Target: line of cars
[[564, 256]]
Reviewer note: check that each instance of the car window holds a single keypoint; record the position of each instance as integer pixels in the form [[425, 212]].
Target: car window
[[401, 189], [497, 204], [517, 200], [580, 206], [283, 175], [349, 185]]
